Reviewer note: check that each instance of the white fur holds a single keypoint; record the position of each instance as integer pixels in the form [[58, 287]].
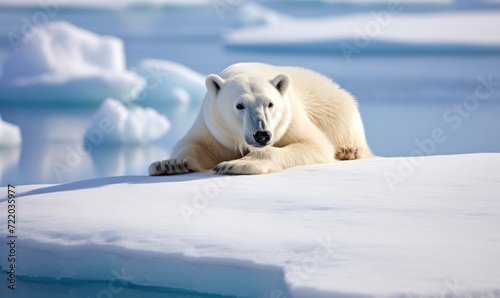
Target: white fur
[[312, 120]]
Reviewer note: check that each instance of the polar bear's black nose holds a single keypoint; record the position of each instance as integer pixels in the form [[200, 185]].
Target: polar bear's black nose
[[262, 137]]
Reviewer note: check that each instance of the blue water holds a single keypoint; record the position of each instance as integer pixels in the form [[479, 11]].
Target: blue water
[[402, 97], [70, 288]]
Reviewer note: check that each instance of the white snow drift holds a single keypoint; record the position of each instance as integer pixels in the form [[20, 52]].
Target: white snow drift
[[63, 63], [114, 123], [331, 230], [10, 134], [169, 83]]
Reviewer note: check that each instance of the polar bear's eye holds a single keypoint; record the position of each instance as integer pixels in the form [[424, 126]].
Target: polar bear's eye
[[270, 105], [240, 106]]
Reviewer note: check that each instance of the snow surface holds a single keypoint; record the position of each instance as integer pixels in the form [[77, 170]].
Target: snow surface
[[330, 230], [63, 63], [10, 134], [381, 30], [169, 83], [114, 123]]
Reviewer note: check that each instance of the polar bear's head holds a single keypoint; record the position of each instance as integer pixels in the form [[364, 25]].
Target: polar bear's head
[[247, 111]]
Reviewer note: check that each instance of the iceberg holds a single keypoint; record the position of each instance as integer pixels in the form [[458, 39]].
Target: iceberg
[[381, 227], [169, 83], [377, 32], [113, 123], [10, 148], [9, 159], [66, 64], [10, 135]]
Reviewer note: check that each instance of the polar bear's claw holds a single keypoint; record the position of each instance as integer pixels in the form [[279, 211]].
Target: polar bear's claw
[[169, 167], [221, 169], [347, 153], [155, 169]]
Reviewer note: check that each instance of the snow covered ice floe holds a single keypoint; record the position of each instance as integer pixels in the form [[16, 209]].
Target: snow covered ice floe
[[10, 135], [249, 14], [60, 62], [113, 123], [169, 83], [380, 31], [330, 230]]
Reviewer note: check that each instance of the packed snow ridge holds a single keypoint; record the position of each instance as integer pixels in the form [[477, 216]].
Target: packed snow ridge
[[379, 227], [113, 123]]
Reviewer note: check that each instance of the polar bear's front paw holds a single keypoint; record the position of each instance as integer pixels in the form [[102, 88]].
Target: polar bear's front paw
[[347, 153], [242, 167], [169, 167]]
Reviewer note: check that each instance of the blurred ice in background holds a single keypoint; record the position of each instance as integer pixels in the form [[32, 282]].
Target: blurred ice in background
[[416, 68]]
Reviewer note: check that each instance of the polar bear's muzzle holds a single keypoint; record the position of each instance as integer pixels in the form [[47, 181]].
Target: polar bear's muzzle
[[258, 133], [262, 137]]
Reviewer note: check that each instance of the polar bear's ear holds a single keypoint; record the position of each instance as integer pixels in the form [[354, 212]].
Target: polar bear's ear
[[214, 83], [281, 83]]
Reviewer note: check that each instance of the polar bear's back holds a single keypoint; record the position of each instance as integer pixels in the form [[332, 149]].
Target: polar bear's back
[[330, 107]]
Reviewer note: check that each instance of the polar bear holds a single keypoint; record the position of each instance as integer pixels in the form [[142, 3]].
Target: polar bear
[[258, 118]]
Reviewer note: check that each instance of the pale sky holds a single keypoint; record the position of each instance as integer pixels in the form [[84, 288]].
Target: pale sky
[[123, 3], [98, 3]]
